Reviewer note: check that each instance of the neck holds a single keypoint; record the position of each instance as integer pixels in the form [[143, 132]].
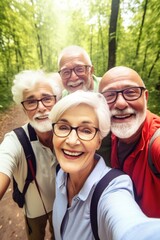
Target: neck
[[76, 181], [46, 138], [134, 137]]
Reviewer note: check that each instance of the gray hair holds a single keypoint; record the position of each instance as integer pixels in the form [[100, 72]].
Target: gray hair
[[75, 49], [95, 100], [26, 80]]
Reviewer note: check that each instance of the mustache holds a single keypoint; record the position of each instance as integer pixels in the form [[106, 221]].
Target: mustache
[[39, 115], [115, 112]]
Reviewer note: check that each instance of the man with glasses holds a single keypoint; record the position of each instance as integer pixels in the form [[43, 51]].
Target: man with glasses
[[132, 127], [37, 94], [76, 70]]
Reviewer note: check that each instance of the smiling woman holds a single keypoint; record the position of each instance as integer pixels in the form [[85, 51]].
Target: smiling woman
[[80, 121]]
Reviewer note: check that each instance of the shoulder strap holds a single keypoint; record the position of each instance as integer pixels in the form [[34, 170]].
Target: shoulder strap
[[151, 164], [30, 157], [102, 184]]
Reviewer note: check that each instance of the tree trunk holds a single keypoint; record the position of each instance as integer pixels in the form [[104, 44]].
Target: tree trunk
[[141, 29], [112, 33]]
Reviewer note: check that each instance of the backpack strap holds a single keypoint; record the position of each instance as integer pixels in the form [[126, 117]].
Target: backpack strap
[[30, 157], [101, 185], [151, 164]]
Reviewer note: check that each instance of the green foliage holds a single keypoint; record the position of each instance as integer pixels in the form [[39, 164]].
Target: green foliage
[[33, 32], [6, 97]]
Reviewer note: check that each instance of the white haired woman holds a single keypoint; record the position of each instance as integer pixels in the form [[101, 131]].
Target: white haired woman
[[80, 121]]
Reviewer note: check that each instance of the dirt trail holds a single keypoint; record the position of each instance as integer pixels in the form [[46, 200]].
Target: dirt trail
[[11, 216]]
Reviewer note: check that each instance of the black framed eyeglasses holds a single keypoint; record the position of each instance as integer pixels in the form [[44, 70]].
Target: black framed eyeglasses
[[129, 94], [79, 70], [85, 132], [32, 104]]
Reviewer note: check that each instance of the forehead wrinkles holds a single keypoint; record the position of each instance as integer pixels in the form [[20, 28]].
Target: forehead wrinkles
[[73, 59]]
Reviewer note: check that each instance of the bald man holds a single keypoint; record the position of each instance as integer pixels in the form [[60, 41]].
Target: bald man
[[76, 70], [132, 127]]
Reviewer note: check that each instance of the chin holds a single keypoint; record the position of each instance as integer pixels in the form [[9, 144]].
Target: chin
[[45, 126], [123, 131]]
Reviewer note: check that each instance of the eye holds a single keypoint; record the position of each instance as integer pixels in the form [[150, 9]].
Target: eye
[[79, 68], [66, 72], [63, 127], [30, 102], [47, 99], [85, 130], [131, 91]]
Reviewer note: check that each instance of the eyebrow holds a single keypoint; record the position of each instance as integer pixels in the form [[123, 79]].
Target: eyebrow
[[43, 95]]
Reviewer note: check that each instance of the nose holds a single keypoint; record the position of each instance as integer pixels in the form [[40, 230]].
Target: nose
[[73, 75], [120, 102], [41, 107], [72, 138]]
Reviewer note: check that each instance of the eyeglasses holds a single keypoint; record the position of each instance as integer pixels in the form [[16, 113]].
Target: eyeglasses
[[129, 94], [32, 104], [79, 70], [85, 133]]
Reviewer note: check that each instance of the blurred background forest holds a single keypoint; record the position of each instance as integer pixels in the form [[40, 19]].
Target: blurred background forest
[[114, 32]]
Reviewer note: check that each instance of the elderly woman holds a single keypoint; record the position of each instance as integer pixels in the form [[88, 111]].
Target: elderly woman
[[80, 121]]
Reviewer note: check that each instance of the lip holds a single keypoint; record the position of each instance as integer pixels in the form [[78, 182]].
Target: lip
[[124, 117], [42, 118], [72, 154], [75, 84]]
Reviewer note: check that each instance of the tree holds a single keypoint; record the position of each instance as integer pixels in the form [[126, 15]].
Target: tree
[[112, 33]]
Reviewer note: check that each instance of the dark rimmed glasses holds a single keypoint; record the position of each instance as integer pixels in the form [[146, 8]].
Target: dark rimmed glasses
[[79, 70], [129, 94], [85, 133], [32, 104]]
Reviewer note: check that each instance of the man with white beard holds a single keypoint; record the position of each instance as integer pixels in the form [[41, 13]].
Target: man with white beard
[[36, 93], [132, 127]]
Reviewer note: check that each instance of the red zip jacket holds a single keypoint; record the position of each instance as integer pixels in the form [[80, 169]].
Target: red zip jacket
[[147, 185]]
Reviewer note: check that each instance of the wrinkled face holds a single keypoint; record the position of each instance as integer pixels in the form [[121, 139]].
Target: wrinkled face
[[39, 117], [73, 154], [80, 77], [127, 116]]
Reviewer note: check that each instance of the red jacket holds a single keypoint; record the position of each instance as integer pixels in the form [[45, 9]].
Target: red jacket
[[136, 166]]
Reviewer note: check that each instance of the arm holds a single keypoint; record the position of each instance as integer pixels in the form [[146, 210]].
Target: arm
[[4, 183], [117, 210], [155, 153]]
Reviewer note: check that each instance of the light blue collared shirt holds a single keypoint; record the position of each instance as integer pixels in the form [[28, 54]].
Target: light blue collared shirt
[[118, 213]]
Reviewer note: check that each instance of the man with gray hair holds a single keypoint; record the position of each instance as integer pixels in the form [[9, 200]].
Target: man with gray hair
[[76, 70], [36, 93]]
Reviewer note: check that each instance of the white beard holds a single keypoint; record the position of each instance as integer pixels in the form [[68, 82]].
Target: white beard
[[126, 130], [44, 126]]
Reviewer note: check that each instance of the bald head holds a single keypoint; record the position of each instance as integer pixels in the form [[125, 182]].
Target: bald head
[[120, 75]]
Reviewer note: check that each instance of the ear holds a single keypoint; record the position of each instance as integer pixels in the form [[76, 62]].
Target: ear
[[92, 70], [146, 94], [99, 141]]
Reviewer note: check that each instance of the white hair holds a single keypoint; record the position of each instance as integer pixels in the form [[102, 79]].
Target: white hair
[[26, 80], [74, 49], [95, 100]]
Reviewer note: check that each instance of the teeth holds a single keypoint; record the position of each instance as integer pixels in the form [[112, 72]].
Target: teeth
[[72, 153], [43, 117], [122, 116], [75, 84]]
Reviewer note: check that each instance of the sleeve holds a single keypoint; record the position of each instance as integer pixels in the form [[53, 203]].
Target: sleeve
[[155, 153], [118, 212], [10, 154]]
